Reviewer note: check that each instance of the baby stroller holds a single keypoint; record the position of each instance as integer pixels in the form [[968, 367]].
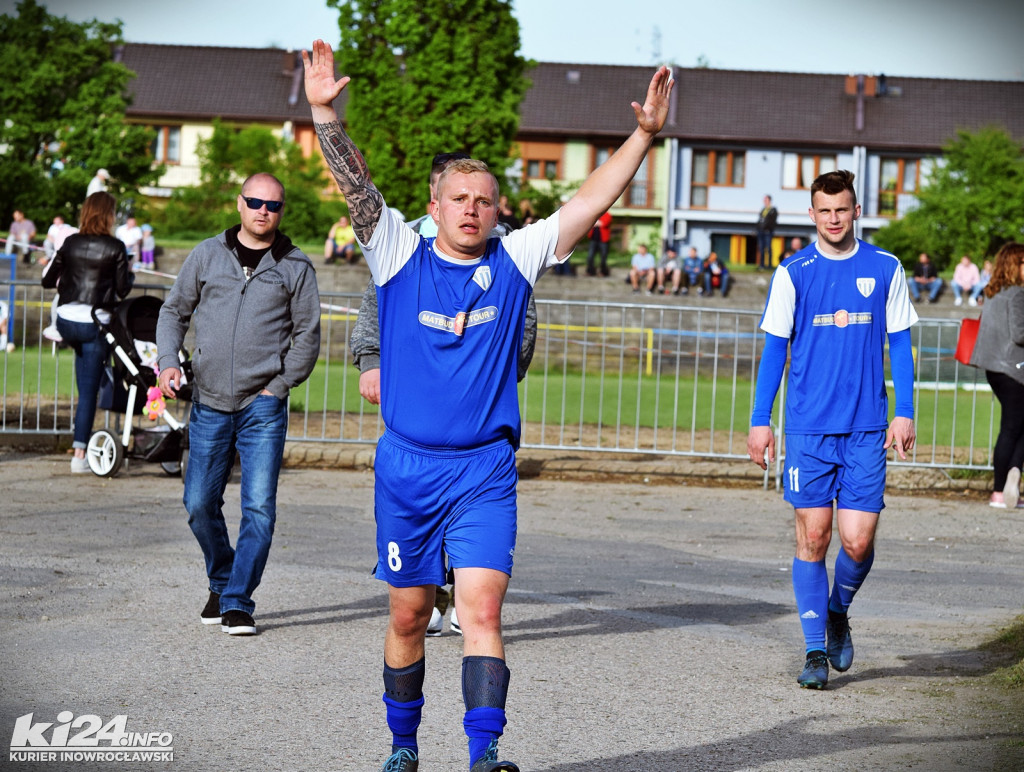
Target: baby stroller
[[131, 333]]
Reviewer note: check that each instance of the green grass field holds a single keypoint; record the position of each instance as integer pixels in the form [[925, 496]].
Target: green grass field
[[944, 418]]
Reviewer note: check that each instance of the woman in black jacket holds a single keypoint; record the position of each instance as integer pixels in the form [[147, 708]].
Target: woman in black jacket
[[93, 272]]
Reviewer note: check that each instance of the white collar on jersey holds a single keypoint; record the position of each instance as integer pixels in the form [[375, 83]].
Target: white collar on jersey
[[847, 256]]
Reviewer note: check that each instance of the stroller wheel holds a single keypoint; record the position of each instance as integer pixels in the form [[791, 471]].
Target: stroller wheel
[[172, 468], [183, 466], [104, 453]]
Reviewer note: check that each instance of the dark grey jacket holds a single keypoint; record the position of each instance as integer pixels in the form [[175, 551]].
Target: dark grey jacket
[[255, 334], [1000, 343]]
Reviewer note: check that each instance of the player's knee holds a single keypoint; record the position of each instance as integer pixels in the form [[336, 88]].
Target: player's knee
[[859, 548], [483, 615], [409, 621]]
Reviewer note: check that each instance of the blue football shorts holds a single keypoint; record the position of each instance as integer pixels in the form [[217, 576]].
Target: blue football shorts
[[848, 469], [429, 502]]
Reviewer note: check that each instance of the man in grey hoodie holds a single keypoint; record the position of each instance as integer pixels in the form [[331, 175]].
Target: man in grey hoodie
[[256, 310]]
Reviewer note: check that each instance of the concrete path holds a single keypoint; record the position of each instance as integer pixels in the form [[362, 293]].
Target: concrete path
[[649, 627]]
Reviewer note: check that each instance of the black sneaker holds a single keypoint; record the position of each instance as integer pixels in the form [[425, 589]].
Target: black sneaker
[[402, 760], [237, 622], [840, 643], [815, 672], [489, 761], [210, 615]]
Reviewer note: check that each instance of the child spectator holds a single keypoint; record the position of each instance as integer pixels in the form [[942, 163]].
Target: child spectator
[[148, 247], [716, 275]]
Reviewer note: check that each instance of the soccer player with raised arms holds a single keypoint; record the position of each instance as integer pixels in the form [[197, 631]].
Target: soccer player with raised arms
[[833, 304], [451, 311]]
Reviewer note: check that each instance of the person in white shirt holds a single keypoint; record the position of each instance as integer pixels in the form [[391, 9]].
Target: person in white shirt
[[131, 234], [98, 182]]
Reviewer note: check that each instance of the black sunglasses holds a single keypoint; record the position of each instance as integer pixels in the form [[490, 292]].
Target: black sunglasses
[[443, 159], [256, 203]]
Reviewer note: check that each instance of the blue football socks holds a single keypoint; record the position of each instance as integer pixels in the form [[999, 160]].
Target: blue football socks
[[484, 689], [810, 585], [403, 696], [847, 579]]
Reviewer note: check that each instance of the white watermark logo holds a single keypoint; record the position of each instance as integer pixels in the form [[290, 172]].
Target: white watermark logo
[[86, 738]]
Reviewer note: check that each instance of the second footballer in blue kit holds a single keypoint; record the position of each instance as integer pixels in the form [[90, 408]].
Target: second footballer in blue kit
[[833, 305]]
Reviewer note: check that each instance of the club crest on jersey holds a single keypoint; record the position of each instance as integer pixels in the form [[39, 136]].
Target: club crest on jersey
[[866, 286], [482, 276]]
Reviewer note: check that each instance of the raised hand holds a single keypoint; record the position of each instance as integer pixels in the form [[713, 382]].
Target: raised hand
[[652, 115], [321, 87]]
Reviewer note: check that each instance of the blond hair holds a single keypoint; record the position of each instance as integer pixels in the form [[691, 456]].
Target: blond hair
[[466, 166]]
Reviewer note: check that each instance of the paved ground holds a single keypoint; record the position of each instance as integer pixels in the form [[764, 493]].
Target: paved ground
[[649, 627]]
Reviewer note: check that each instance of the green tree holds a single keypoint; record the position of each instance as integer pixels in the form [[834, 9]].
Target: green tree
[[226, 158], [429, 76], [970, 204], [62, 106]]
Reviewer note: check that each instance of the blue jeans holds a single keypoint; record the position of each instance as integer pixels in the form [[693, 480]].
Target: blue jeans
[[92, 352], [764, 247], [257, 432], [709, 286], [933, 287]]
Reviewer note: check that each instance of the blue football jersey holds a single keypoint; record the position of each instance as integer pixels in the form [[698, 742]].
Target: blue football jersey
[[451, 331], [836, 313]]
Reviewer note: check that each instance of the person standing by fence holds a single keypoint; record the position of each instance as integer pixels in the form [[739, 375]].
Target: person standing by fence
[[999, 351], [91, 272], [833, 304]]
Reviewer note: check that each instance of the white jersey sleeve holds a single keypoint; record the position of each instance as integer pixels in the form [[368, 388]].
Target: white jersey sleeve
[[779, 310], [390, 247], [899, 311], [532, 248]]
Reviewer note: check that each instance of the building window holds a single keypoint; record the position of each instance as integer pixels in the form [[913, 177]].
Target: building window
[[639, 189], [541, 160], [799, 171], [899, 175], [723, 168], [541, 170], [166, 147]]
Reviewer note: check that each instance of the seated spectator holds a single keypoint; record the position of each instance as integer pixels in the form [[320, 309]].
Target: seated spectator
[[977, 294], [965, 276], [20, 235], [131, 234], [506, 216], [716, 275], [926, 278], [693, 269], [341, 242], [55, 236], [669, 269], [5, 344], [795, 245], [642, 269]]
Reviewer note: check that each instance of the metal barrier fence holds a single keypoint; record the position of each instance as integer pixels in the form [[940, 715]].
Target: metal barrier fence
[[606, 378]]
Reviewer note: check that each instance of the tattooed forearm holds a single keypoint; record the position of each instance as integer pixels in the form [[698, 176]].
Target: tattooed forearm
[[346, 163]]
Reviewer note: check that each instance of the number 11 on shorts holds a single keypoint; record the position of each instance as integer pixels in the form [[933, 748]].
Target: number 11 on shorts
[[794, 479]]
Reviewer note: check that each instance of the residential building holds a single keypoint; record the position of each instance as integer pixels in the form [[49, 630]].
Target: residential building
[[731, 138]]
